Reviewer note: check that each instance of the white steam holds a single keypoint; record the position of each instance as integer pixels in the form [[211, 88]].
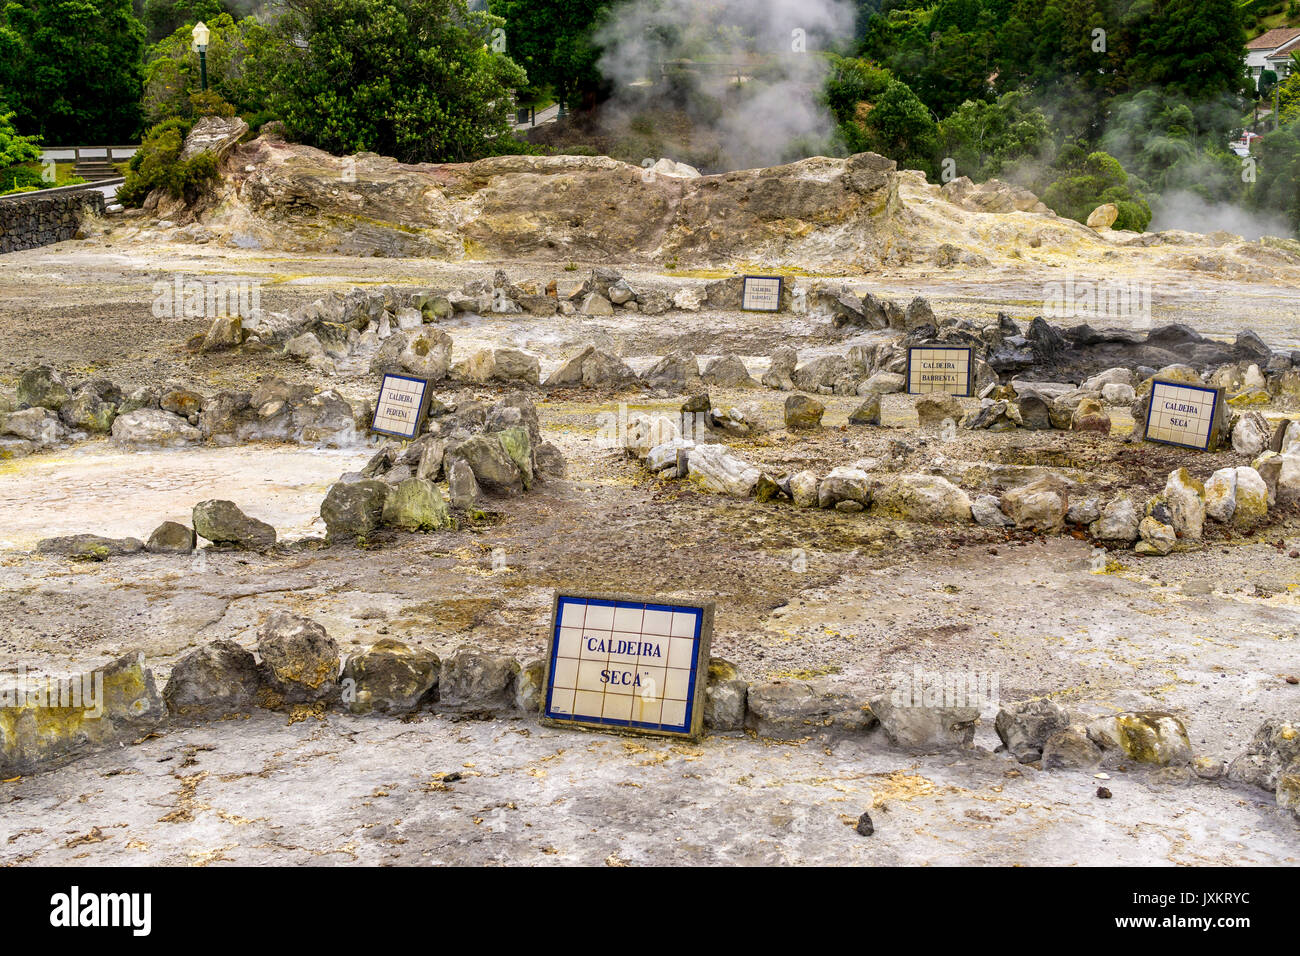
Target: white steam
[[1191, 213], [749, 70]]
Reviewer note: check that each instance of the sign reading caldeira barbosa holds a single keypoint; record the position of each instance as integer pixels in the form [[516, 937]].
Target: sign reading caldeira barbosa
[[939, 368], [627, 664], [401, 407], [1185, 415], [761, 293]]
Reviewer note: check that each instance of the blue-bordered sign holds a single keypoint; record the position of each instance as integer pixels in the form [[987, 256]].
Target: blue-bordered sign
[[402, 405], [1183, 415], [622, 663], [945, 369], [761, 293]]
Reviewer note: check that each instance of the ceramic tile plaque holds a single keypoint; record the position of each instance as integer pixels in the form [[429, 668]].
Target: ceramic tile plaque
[[1185, 415], [403, 402], [627, 664], [939, 368], [761, 294]]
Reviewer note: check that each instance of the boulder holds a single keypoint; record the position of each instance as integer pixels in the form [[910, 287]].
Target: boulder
[[40, 426], [494, 469], [88, 547], [1090, 416], [427, 354], [804, 489], [1025, 726], [416, 504], [152, 428], [987, 512], [590, 367], [1040, 505], [222, 523], [843, 484], [715, 469], [128, 707], [934, 409], [172, 537], [1104, 216], [793, 710], [1149, 737], [923, 498], [1274, 750], [1185, 497], [802, 412], [724, 697], [42, 387], [299, 661], [1070, 749], [727, 371], [885, 383], [86, 411], [215, 680], [353, 510], [472, 681], [1156, 537], [868, 413], [1118, 523], [1236, 495], [462, 487], [1251, 434], [927, 729], [389, 677], [780, 370], [679, 371]]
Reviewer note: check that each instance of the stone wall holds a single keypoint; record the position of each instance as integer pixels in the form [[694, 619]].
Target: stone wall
[[40, 218]]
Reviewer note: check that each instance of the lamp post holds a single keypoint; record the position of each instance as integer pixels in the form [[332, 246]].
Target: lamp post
[[201, 35]]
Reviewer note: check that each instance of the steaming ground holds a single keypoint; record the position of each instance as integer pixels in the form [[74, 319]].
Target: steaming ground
[[1210, 636]]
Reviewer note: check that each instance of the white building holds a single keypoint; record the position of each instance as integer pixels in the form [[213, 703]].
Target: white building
[[1272, 51]]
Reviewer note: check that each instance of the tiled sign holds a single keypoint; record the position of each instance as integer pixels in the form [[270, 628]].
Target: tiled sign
[[627, 664], [938, 368], [403, 401], [761, 294], [1185, 415]]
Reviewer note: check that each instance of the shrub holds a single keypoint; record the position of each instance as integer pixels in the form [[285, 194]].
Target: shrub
[[157, 164]]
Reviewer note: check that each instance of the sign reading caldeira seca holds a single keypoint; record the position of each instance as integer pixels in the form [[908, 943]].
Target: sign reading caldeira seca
[[627, 664], [1185, 415]]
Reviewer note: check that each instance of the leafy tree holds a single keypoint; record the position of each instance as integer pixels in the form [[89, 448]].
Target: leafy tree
[[162, 18], [897, 125], [986, 138], [15, 149], [414, 79], [1192, 47], [1088, 181], [71, 69], [1278, 186], [238, 59], [551, 39]]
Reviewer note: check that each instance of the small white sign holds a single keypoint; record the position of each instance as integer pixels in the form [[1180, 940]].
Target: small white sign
[[938, 369], [403, 400], [633, 665], [1182, 414], [761, 294]]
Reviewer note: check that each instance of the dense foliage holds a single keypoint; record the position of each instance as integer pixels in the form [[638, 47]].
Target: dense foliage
[[238, 57], [551, 40], [157, 164], [70, 69], [415, 79]]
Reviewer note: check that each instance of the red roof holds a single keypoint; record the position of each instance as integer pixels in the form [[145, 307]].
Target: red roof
[[1274, 38], [1285, 50]]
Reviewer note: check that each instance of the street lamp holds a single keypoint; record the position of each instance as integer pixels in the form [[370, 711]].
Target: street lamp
[[201, 35]]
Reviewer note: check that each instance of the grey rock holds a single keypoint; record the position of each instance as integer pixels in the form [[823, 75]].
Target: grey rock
[[462, 487], [88, 547], [353, 510], [171, 537], [473, 681], [217, 679], [1070, 749], [389, 677], [802, 412], [299, 661], [222, 523], [1025, 726], [927, 729]]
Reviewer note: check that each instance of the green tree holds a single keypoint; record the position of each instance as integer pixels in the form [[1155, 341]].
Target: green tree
[[239, 57], [15, 149], [162, 18], [415, 79], [1193, 47], [1278, 185], [551, 39], [897, 125], [1088, 181], [986, 138], [71, 69]]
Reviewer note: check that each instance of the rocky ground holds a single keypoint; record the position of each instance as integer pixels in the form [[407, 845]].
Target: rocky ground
[[845, 602]]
